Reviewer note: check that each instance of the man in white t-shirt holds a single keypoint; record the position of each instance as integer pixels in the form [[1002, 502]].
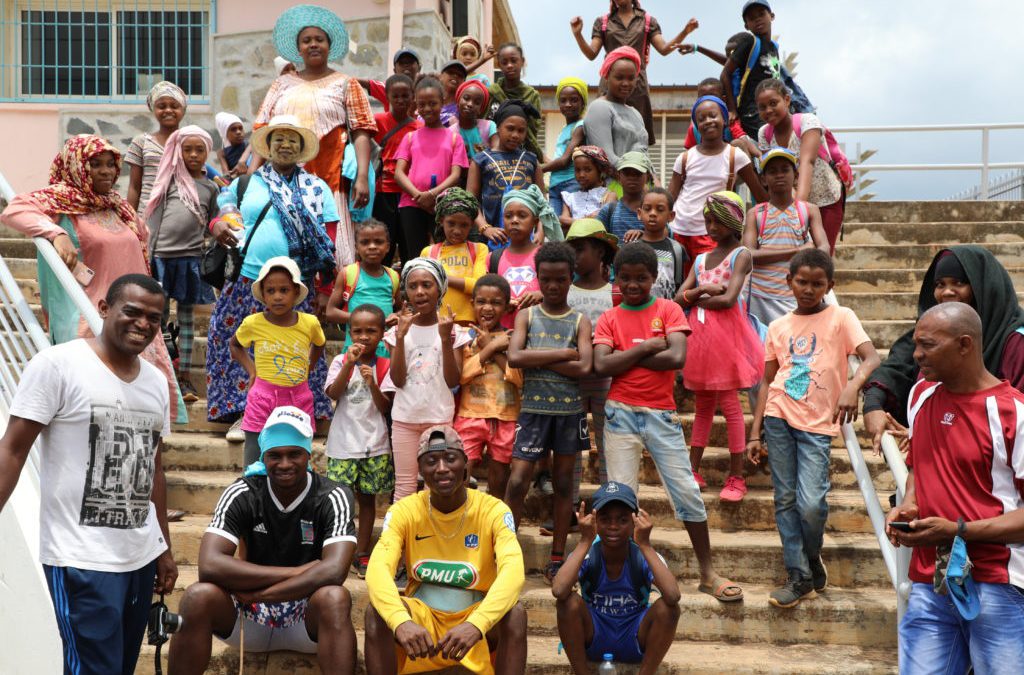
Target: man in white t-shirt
[[99, 412]]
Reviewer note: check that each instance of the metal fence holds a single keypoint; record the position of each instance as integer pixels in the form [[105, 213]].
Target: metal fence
[[985, 166], [103, 51], [1008, 187]]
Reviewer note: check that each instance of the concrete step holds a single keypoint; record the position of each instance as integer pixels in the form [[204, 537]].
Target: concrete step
[[884, 333], [933, 232], [853, 560], [887, 256], [17, 247], [859, 280], [932, 212], [874, 306], [544, 658], [198, 492], [836, 616]]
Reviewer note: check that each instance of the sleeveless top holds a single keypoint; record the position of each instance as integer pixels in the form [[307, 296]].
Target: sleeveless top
[[545, 391]]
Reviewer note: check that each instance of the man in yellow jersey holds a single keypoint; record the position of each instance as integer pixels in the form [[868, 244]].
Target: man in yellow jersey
[[465, 575]]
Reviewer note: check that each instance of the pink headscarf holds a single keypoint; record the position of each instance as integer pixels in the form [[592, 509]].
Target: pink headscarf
[[614, 55], [172, 167]]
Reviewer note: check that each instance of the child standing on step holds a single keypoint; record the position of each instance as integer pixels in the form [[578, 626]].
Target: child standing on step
[[286, 344], [494, 173], [366, 281], [804, 398], [509, 86], [472, 98], [358, 447], [714, 290], [182, 203], [464, 261], [616, 567], [521, 210], [633, 171], [234, 153], [589, 191], [551, 343], [571, 94], [430, 160], [775, 231], [426, 364], [656, 214], [640, 344], [167, 102], [393, 125], [490, 396]]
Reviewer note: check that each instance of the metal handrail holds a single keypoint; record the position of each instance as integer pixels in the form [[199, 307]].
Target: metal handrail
[[985, 166]]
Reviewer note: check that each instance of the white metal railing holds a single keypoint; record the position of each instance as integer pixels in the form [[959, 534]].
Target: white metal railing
[[984, 166], [26, 616], [1007, 187]]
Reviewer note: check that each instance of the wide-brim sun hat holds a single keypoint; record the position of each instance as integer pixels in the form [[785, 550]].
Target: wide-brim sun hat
[[293, 20], [261, 137], [280, 262], [591, 228]]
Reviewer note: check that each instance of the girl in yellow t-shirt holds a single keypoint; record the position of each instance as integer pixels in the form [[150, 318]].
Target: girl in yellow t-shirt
[[286, 344], [464, 261]]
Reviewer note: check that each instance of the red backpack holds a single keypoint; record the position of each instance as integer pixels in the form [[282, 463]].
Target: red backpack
[[645, 51], [435, 252], [829, 150]]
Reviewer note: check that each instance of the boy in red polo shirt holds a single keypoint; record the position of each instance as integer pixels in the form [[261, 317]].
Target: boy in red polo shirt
[[641, 344]]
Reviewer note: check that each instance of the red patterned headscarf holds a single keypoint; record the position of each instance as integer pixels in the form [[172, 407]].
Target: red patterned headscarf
[[70, 190], [622, 53]]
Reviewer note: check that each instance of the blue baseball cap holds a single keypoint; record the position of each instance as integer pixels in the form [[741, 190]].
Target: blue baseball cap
[[287, 426], [613, 491], [962, 589], [406, 52], [753, 3], [778, 153]]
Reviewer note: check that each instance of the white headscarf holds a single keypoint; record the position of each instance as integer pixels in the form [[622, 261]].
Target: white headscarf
[[224, 120]]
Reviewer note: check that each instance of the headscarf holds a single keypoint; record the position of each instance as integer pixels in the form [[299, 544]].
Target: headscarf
[[573, 83], [172, 169], [995, 300], [456, 200], [714, 99], [280, 63], [429, 264], [224, 120], [614, 55], [728, 208], [70, 190], [532, 198], [169, 90], [948, 265], [466, 39], [475, 84], [597, 155], [299, 202], [515, 108]]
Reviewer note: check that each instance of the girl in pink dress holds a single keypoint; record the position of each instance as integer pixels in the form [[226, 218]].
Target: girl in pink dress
[[724, 353]]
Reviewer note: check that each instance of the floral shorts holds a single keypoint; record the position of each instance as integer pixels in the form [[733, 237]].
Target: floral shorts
[[366, 475]]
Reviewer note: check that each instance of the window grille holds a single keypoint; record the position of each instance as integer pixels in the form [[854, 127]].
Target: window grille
[[102, 51]]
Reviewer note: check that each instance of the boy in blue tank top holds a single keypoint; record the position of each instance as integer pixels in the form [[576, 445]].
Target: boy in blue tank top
[[616, 567]]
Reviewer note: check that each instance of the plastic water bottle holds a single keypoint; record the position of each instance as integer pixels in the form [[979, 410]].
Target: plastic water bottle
[[232, 216], [607, 667]]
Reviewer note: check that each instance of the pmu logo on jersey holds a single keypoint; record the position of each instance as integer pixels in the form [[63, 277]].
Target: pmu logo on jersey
[[948, 419], [446, 573], [472, 541], [307, 531]]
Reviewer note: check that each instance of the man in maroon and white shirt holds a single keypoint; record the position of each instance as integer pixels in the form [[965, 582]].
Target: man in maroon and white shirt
[[967, 462]]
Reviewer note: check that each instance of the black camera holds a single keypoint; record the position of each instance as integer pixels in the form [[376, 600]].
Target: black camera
[[162, 623]]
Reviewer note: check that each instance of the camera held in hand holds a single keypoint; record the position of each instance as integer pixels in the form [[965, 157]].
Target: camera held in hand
[[162, 623]]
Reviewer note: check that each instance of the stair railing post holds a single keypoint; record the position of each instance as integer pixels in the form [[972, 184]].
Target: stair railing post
[[984, 163]]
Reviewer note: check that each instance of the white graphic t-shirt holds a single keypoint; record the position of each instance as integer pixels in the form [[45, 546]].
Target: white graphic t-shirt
[[98, 458], [425, 398]]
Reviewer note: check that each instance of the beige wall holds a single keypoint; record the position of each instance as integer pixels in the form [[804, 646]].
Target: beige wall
[[237, 16], [27, 154]]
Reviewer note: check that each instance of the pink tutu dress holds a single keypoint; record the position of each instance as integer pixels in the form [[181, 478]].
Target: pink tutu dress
[[723, 352]]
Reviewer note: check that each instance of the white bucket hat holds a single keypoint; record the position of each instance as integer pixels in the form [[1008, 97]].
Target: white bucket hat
[[283, 262], [261, 137]]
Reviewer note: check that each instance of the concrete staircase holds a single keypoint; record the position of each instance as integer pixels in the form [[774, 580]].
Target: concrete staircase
[[850, 628]]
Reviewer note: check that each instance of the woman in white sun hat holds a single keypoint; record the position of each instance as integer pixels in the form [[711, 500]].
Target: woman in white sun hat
[[286, 212], [328, 102]]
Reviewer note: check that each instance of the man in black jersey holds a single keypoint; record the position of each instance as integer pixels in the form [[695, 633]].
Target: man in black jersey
[[299, 534]]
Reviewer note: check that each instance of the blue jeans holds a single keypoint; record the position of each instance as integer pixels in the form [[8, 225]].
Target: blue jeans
[[555, 193], [934, 639], [628, 429], [799, 461]]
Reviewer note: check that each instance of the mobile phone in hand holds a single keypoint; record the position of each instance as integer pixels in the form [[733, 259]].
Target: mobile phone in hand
[[902, 527], [83, 274]]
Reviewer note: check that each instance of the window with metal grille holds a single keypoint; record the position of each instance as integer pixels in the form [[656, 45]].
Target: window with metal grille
[[110, 52]]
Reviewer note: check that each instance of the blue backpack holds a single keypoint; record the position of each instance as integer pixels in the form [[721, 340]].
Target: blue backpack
[[634, 567], [799, 102]]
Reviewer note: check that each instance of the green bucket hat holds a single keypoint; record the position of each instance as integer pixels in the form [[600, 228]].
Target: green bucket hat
[[592, 228]]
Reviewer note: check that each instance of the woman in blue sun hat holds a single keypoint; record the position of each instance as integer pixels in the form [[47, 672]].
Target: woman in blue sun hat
[[330, 103]]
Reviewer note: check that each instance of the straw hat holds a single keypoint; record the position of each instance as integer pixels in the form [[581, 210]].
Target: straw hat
[[292, 21], [261, 137]]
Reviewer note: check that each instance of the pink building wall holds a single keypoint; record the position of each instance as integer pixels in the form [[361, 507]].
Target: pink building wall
[[27, 154]]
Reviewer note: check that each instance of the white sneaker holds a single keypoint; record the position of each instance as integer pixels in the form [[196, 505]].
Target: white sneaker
[[235, 433]]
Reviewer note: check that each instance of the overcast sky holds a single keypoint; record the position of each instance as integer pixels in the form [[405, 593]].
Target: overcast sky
[[873, 62]]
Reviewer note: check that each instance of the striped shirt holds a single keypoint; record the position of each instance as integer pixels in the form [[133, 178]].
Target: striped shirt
[[145, 152], [779, 230]]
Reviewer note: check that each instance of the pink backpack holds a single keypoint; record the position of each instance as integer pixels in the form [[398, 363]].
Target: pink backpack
[[829, 150]]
